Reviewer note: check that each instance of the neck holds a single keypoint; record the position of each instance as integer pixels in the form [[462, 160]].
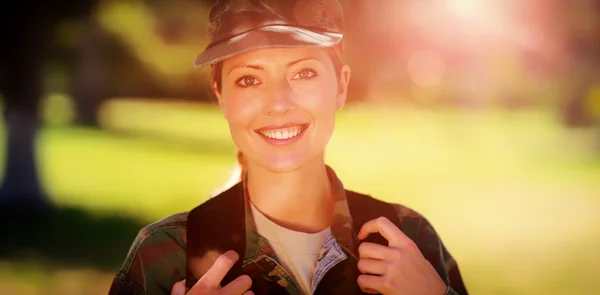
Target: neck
[[300, 200]]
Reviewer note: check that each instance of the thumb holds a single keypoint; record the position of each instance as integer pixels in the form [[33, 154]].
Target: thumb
[[178, 288]]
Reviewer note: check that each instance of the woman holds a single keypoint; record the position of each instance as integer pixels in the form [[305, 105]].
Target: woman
[[279, 79]]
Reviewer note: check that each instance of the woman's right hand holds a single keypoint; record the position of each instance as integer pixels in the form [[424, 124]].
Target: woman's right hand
[[210, 283]]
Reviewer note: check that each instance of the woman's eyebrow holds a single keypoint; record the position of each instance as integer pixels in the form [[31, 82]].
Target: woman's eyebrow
[[257, 67], [300, 60]]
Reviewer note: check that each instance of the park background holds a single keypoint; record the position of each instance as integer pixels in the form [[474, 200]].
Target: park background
[[482, 115]]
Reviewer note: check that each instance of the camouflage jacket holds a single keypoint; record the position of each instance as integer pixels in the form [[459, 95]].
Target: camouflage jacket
[[157, 258]]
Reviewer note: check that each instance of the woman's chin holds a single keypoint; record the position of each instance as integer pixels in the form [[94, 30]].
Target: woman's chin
[[284, 164], [282, 167]]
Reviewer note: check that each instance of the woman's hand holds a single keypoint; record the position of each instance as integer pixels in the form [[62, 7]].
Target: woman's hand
[[210, 283], [399, 268]]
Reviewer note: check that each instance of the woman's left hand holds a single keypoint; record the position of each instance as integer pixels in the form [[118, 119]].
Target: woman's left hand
[[399, 268]]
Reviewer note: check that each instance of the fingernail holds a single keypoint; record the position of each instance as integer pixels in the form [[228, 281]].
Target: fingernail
[[234, 255]]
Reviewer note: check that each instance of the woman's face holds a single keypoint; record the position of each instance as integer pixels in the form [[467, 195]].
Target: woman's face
[[281, 103]]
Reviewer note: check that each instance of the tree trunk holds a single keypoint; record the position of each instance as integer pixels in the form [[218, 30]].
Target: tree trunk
[[21, 84], [87, 76]]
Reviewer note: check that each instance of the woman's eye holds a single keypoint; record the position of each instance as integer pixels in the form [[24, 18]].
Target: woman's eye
[[247, 81], [305, 74]]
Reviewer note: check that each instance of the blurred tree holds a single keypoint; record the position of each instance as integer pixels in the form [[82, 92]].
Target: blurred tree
[[26, 28], [583, 56], [570, 55], [29, 30], [24, 32], [149, 47], [87, 80]]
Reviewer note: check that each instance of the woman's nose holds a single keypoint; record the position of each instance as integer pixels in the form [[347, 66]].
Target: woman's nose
[[280, 99]]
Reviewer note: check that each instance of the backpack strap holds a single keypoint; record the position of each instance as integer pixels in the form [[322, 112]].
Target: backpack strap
[[341, 279], [364, 208], [210, 228]]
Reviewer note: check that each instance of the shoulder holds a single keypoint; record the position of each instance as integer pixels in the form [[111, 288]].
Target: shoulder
[[408, 219], [156, 257], [412, 223], [167, 232], [429, 242], [431, 246]]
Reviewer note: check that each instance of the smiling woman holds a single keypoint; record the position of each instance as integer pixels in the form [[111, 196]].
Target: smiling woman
[[268, 95], [289, 225]]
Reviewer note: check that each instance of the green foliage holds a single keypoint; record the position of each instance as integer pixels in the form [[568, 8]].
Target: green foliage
[[167, 60]]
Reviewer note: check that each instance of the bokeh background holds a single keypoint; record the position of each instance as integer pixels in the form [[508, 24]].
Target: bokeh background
[[482, 115]]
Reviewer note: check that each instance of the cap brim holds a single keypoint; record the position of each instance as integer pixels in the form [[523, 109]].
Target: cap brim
[[267, 37]]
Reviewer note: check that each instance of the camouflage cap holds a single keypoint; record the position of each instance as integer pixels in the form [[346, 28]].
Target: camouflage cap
[[237, 26]]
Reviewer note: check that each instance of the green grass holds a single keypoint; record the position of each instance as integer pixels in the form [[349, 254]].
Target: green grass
[[515, 196]]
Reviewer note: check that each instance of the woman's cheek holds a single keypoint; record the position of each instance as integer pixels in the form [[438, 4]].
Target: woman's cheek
[[242, 109], [318, 99]]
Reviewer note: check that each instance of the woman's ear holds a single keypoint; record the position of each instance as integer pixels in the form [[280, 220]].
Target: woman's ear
[[217, 92], [344, 80], [215, 88]]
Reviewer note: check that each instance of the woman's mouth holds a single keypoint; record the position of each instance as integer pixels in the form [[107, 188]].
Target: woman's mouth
[[285, 134]]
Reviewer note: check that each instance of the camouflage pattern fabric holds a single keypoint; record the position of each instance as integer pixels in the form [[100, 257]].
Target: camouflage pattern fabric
[[157, 257]]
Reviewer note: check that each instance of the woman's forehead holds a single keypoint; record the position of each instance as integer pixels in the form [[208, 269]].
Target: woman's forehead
[[276, 56]]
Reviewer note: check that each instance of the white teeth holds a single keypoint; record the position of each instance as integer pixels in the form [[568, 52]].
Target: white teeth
[[284, 133]]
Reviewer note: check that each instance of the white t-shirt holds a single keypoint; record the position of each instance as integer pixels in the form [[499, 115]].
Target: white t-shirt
[[297, 252]]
